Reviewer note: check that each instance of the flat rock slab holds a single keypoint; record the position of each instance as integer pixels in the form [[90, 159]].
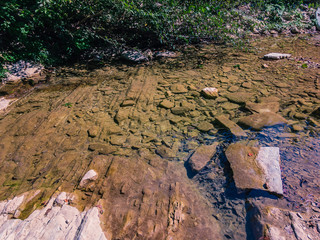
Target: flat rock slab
[[276, 56], [239, 97], [255, 168], [258, 121], [202, 156], [263, 107], [233, 127], [269, 160]]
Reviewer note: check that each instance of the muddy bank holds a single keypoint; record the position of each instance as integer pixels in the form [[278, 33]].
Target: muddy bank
[[138, 127]]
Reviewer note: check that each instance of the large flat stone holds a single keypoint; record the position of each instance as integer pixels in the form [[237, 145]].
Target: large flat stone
[[239, 97], [269, 160], [255, 168], [246, 173], [263, 107], [258, 121], [202, 156], [233, 127]]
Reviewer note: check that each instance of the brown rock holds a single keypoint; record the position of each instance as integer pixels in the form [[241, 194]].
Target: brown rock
[[202, 156], [233, 127], [239, 97], [178, 88], [179, 110], [204, 126], [102, 148], [258, 121], [166, 104], [246, 173], [127, 103], [263, 107]]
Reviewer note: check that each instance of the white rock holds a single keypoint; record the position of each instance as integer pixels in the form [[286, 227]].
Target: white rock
[[276, 56], [91, 175], [90, 226], [54, 222], [210, 92], [269, 160], [61, 199], [318, 18], [12, 205], [4, 103]]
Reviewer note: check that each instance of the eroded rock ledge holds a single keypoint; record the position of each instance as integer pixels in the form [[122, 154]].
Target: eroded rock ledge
[[57, 220]]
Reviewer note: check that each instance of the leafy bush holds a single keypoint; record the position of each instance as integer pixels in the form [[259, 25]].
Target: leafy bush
[[59, 31]]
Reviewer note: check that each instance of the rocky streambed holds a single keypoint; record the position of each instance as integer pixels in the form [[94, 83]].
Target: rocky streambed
[[216, 143]]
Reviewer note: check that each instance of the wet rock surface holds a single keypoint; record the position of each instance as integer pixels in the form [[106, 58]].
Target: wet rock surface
[[142, 128]]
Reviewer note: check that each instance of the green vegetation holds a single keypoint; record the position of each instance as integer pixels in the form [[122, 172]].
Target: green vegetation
[[61, 31]]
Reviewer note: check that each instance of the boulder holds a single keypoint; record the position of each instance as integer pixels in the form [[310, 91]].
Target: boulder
[[90, 176], [233, 127], [258, 121], [202, 156], [276, 56], [255, 168], [246, 173]]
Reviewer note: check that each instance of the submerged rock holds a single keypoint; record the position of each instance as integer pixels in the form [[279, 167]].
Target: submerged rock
[[263, 107], [239, 97], [255, 168], [202, 156], [233, 127], [276, 56], [258, 121]]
